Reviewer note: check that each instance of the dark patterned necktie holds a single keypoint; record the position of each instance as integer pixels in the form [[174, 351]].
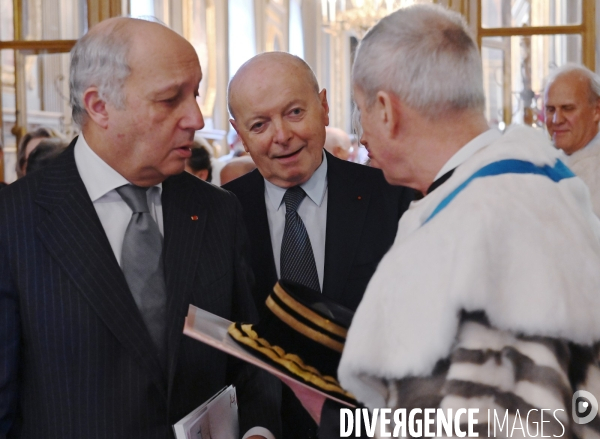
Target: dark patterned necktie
[[297, 257], [141, 261]]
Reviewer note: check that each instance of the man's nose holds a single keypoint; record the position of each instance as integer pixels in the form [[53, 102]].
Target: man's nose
[[558, 117], [362, 140], [283, 133], [193, 118]]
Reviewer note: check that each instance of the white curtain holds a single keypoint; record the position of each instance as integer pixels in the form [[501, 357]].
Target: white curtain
[[296, 34]]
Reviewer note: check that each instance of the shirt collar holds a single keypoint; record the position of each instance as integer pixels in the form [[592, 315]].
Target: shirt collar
[[315, 187], [97, 175], [467, 151], [594, 141]]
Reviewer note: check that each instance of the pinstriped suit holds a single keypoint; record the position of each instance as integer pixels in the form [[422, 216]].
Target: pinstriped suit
[[76, 360]]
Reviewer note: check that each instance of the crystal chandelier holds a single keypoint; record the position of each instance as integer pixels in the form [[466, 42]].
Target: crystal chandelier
[[358, 15]]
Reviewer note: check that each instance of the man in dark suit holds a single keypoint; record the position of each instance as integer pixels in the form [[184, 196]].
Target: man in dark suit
[[349, 213], [102, 252]]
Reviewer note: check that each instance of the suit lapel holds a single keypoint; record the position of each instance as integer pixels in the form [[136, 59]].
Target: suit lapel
[[184, 213], [347, 206], [73, 235], [257, 222]]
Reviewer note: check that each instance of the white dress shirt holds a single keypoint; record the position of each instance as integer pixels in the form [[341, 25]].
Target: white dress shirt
[[101, 182], [312, 211]]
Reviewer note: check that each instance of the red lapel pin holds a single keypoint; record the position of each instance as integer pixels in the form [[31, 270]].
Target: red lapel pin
[[194, 217]]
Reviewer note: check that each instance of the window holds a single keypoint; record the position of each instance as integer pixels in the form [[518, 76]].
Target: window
[[35, 40], [296, 38], [242, 34], [521, 42]]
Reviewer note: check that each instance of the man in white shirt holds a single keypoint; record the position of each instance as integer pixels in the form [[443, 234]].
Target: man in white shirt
[[488, 298], [102, 252], [572, 106]]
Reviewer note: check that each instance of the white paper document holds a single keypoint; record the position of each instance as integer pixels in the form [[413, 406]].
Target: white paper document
[[217, 418]]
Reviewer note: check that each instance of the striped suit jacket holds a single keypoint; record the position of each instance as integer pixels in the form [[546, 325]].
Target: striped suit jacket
[[76, 360]]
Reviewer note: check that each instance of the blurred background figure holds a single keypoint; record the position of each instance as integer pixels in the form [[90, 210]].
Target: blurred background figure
[[236, 149], [237, 167], [355, 155], [199, 164], [338, 143], [45, 151], [572, 106], [28, 144]]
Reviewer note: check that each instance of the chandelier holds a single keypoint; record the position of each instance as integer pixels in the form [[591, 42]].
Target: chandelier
[[358, 15]]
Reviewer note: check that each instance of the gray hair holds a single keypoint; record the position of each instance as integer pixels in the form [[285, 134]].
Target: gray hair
[[593, 78], [425, 55], [99, 59]]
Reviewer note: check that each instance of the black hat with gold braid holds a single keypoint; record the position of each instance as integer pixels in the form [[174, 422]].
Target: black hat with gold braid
[[303, 334]]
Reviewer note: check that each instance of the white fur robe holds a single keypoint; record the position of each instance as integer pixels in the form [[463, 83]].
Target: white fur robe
[[522, 249]]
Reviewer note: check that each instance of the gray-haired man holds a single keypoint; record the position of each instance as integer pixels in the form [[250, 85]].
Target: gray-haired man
[[572, 110], [493, 278], [102, 251]]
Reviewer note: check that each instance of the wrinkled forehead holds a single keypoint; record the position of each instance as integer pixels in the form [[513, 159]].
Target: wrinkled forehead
[[570, 86], [168, 57]]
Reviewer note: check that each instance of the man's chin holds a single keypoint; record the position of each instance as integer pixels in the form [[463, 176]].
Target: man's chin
[[176, 167], [374, 164]]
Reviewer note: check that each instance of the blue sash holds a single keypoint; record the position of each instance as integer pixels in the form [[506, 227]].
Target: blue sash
[[511, 166]]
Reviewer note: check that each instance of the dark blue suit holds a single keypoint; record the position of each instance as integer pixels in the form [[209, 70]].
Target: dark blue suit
[[76, 360]]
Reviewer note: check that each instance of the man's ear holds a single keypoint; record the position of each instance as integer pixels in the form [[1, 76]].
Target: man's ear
[[235, 127], [597, 111], [325, 105], [388, 111], [95, 107]]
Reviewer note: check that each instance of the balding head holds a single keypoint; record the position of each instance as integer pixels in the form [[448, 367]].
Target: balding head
[[101, 58], [577, 73], [269, 63], [236, 168], [280, 116], [134, 86]]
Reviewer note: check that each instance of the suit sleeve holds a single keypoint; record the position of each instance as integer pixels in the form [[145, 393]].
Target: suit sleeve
[[10, 336], [258, 392]]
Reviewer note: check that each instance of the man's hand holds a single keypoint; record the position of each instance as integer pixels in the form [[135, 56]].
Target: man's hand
[[311, 400]]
